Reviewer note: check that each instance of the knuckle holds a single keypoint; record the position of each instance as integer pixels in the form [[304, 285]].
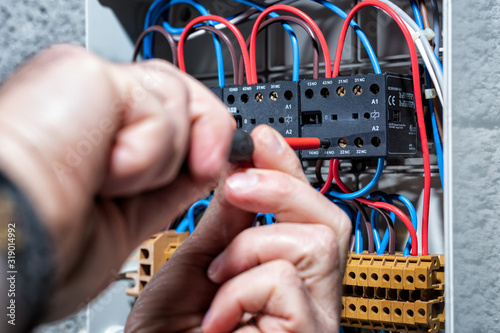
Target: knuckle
[[286, 273]]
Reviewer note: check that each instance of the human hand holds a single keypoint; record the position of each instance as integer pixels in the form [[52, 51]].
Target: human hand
[[289, 275], [97, 148]]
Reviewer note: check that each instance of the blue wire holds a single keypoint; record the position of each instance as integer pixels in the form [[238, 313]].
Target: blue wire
[[416, 13], [364, 40], [435, 132], [366, 189], [413, 216], [154, 15], [346, 208], [380, 246], [358, 234], [268, 217], [291, 33], [188, 221]]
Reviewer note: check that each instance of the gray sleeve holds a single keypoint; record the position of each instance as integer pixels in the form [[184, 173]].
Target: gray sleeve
[[25, 262]]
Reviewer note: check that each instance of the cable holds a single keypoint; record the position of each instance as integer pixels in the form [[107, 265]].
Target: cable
[[381, 205], [423, 21], [319, 176], [230, 46], [417, 93], [305, 26], [413, 216], [164, 7], [426, 47], [245, 16], [236, 32], [164, 33], [364, 190], [416, 13], [302, 15], [362, 37], [424, 14], [380, 245], [390, 228], [291, 33], [437, 139], [188, 221], [362, 215], [437, 26], [345, 207]]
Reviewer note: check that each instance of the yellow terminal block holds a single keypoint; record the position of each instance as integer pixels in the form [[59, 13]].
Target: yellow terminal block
[[394, 293], [382, 292], [153, 253]]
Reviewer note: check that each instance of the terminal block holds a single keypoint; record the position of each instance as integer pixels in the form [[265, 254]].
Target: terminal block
[[152, 254], [394, 293], [275, 104], [362, 116]]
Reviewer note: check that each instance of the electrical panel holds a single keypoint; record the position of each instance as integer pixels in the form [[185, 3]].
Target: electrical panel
[[363, 116]]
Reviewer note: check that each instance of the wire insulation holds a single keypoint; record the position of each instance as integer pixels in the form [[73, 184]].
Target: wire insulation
[[418, 100], [236, 32], [302, 15]]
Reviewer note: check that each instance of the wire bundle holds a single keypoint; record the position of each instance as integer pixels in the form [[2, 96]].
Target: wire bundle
[[416, 33]]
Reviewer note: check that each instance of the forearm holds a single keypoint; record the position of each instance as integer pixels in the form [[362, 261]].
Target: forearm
[[25, 261]]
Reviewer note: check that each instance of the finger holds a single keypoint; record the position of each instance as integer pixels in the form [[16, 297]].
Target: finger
[[272, 152], [312, 249], [290, 199], [153, 141], [273, 290], [212, 132]]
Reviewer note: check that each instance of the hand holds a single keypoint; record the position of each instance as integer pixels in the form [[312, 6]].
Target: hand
[[289, 275], [97, 148]]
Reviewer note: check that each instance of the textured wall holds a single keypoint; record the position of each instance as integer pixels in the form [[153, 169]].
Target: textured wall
[[27, 26], [476, 156]]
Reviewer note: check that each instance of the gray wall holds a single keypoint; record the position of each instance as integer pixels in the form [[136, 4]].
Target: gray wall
[[475, 77], [27, 26]]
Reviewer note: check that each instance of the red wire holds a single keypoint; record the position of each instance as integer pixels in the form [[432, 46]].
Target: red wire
[[303, 143], [417, 94], [232, 27], [302, 15], [334, 168]]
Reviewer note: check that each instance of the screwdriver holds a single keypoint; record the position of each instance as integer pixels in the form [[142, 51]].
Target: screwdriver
[[242, 146]]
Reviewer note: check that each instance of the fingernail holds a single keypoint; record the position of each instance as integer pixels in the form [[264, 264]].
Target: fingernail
[[213, 269], [272, 142], [206, 320], [242, 181]]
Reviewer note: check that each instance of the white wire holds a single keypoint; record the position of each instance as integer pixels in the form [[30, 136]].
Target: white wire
[[423, 39], [238, 19], [430, 69]]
